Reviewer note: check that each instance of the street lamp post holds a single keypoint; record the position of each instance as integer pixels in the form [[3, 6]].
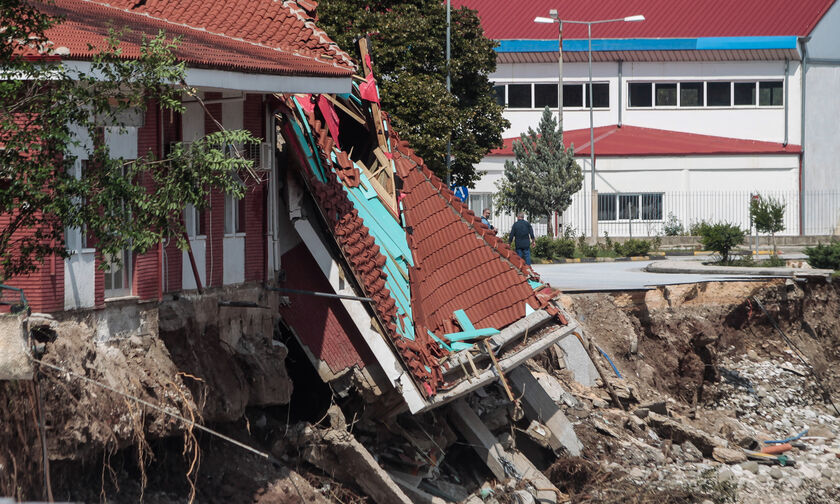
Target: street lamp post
[[555, 18]]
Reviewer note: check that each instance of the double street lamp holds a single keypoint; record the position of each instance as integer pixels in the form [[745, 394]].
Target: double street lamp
[[555, 18]]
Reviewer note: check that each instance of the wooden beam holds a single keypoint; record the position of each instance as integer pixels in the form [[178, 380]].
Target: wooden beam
[[353, 115]]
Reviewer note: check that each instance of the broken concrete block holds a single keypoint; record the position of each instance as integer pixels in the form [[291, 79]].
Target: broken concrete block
[[540, 407], [728, 455], [15, 363], [338, 454], [577, 361]]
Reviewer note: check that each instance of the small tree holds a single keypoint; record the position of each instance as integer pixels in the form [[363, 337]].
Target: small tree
[[544, 175], [768, 215], [721, 237]]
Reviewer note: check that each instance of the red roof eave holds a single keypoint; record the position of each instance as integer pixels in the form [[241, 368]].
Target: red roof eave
[[626, 141]]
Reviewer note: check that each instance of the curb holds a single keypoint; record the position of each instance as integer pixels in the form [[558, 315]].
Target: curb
[[660, 256], [736, 270]]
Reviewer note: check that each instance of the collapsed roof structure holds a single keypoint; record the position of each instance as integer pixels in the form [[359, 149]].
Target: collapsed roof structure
[[447, 305]]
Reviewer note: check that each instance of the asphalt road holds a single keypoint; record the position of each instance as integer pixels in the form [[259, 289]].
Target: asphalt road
[[607, 276]]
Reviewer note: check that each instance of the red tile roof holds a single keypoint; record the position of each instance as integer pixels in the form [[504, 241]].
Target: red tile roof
[[663, 18], [459, 264], [636, 141], [87, 22], [283, 25]]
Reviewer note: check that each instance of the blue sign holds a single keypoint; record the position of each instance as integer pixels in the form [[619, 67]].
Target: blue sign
[[461, 192]]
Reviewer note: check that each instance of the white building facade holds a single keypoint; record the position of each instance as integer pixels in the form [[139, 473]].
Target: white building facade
[[714, 120]]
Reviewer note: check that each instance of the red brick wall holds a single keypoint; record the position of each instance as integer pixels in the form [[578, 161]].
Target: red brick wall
[[215, 217], [255, 219], [146, 272], [44, 288], [323, 325]]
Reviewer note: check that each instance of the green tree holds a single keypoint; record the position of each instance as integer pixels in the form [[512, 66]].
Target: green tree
[[721, 237], [768, 215], [544, 175], [408, 49], [49, 109]]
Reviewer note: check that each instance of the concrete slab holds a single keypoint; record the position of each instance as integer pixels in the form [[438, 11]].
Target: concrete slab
[[577, 360], [540, 407], [14, 348], [501, 463]]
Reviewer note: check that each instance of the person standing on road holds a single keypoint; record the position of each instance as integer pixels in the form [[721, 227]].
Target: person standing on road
[[485, 218], [522, 236]]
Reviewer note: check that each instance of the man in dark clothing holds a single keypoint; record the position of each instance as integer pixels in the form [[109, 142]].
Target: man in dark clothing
[[522, 236]]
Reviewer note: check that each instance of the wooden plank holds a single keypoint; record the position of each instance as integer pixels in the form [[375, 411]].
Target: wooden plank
[[379, 127], [353, 115], [374, 107], [381, 157]]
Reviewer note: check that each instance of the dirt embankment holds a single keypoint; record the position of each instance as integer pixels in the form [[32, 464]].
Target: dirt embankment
[[192, 357], [701, 367], [669, 339]]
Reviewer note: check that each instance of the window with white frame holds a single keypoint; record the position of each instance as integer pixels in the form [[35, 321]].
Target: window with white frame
[[75, 239], [538, 96], [234, 215], [751, 93], [194, 222], [629, 206], [479, 201]]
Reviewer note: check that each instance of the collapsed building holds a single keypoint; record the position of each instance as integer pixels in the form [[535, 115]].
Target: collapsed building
[[393, 288]]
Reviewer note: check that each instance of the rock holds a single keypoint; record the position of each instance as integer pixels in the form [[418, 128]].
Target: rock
[[776, 472], [599, 403], [752, 355], [657, 407], [821, 431], [691, 453], [809, 471], [827, 473], [641, 412], [795, 482], [669, 428], [724, 475], [728, 455], [751, 466], [637, 473]]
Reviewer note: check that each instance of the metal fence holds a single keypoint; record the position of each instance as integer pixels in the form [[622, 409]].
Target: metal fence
[[648, 214]]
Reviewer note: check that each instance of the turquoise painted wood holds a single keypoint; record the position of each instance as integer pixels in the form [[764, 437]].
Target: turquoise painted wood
[[468, 329]]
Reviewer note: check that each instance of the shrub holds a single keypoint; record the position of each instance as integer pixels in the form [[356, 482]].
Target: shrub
[[543, 247], [587, 250], [632, 247], [721, 237], [564, 247], [672, 226], [824, 256]]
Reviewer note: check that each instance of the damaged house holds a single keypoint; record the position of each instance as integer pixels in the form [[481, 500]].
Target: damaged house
[[390, 284]]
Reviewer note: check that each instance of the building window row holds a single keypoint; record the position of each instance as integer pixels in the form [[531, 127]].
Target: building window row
[[706, 94], [538, 96], [621, 206]]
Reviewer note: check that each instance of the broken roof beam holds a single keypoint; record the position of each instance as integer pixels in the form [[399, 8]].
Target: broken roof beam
[[537, 345], [530, 324]]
